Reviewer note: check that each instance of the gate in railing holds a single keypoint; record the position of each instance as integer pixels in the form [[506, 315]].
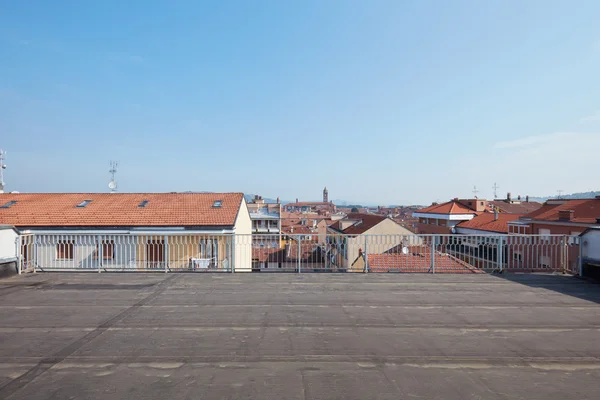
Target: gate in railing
[[465, 254]]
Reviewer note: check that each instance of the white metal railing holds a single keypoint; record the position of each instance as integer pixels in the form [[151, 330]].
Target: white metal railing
[[299, 253]]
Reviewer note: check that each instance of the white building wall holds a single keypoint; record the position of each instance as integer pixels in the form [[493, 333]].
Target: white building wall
[[243, 240], [591, 245], [8, 249]]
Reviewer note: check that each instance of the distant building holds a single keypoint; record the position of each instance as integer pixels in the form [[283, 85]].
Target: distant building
[[359, 233], [266, 217], [443, 218], [559, 217]]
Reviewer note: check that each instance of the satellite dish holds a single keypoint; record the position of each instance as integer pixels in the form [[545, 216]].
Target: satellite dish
[[112, 185]]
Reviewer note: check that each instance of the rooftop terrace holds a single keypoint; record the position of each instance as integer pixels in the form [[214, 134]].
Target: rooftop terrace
[[287, 336]]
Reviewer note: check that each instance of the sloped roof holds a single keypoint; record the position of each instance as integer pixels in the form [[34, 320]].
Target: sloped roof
[[120, 209], [412, 262], [364, 223], [449, 207], [523, 207], [486, 222], [584, 211]]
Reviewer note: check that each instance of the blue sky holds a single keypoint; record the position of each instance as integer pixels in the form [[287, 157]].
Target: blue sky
[[382, 101]]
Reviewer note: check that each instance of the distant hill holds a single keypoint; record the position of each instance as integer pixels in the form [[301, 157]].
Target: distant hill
[[572, 196]]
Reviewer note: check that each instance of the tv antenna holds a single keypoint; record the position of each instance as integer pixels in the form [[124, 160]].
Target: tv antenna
[[112, 185], [475, 191], [560, 192], [495, 187], [2, 168]]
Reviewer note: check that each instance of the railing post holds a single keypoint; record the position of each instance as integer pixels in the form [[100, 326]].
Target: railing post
[[166, 242], [100, 255], [500, 254], [230, 255], [366, 256], [432, 254], [18, 253], [563, 253], [580, 258], [299, 255]]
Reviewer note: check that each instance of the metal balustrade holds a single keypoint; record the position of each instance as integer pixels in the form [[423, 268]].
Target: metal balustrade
[[176, 252]]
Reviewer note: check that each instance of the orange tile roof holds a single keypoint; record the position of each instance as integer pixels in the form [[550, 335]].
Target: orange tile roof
[[486, 222], [120, 209], [523, 207], [449, 207], [412, 262], [584, 211]]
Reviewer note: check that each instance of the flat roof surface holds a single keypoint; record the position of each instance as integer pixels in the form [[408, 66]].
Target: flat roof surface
[[290, 336]]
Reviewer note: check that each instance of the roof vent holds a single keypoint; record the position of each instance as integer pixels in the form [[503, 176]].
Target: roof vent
[[83, 203], [217, 204], [9, 204], [144, 203]]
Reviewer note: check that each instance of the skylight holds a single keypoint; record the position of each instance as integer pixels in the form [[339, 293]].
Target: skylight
[[144, 203], [9, 204], [84, 203], [217, 203]]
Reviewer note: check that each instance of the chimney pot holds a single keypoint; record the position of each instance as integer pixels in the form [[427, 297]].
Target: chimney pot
[[496, 214], [526, 199], [508, 196]]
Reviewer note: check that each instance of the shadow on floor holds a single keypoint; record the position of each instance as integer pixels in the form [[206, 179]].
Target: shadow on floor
[[564, 284]]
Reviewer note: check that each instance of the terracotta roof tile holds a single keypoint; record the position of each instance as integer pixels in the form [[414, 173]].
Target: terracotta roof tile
[[523, 207], [486, 222], [120, 209], [584, 211], [413, 262], [450, 207]]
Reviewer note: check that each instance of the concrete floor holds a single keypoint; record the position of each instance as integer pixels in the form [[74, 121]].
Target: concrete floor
[[288, 336]]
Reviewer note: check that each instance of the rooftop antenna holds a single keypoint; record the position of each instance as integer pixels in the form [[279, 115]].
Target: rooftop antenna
[[112, 185], [495, 187], [560, 192], [475, 191], [2, 168]]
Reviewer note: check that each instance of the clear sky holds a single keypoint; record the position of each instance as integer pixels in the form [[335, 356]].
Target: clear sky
[[389, 102]]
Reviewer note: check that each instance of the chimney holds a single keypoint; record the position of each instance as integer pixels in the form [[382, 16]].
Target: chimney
[[277, 199], [519, 197], [526, 199], [565, 215], [296, 199], [508, 196], [495, 214]]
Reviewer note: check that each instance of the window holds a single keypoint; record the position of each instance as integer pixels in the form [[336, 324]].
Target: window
[[108, 250], [83, 203], [517, 257], [217, 204], [9, 204], [144, 203], [64, 249]]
